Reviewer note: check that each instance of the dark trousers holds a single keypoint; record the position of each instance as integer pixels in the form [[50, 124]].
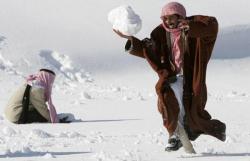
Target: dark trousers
[[34, 116]]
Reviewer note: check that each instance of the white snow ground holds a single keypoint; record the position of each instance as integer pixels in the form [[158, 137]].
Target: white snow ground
[[110, 93]]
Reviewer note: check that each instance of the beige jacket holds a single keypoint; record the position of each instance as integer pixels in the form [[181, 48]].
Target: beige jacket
[[37, 100]]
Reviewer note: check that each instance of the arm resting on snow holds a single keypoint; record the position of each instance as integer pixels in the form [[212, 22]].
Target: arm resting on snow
[[203, 26]]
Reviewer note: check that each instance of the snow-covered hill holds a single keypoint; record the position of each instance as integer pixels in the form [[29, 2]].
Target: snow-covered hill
[[233, 42]]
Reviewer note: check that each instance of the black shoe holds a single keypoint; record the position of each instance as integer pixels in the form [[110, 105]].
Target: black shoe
[[221, 133], [221, 136], [224, 137], [174, 144]]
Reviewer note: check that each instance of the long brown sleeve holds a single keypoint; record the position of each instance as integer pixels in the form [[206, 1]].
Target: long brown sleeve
[[135, 47]]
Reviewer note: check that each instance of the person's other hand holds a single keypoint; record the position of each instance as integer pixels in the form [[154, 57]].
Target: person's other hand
[[183, 24], [64, 120]]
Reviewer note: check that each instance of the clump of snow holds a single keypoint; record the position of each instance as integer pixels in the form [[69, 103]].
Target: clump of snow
[[104, 156], [63, 64], [8, 131], [236, 94], [126, 98], [2, 141], [85, 95], [17, 150], [209, 150], [140, 97], [1, 118], [5, 152], [69, 135], [116, 89], [48, 156], [37, 133], [125, 20], [101, 156], [25, 149], [2, 41], [5, 64]]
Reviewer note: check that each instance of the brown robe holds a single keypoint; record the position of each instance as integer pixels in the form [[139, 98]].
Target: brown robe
[[198, 43]]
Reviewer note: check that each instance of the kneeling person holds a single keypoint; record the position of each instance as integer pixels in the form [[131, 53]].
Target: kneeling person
[[28, 104]]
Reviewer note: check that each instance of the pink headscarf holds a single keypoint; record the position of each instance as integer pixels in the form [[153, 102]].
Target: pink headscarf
[[173, 8], [45, 79], [177, 48]]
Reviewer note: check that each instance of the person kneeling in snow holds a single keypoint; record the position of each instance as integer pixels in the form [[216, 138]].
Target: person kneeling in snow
[[28, 104], [179, 50]]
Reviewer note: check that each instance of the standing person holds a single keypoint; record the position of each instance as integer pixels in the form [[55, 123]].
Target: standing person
[[28, 104], [178, 51]]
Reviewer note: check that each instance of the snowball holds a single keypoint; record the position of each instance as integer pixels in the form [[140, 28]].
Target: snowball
[[125, 20]]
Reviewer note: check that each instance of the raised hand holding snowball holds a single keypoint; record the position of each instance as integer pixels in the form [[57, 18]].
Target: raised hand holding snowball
[[122, 35]]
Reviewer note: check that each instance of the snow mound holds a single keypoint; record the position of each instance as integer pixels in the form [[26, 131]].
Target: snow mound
[[85, 95], [63, 64], [2, 41], [125, 20], [17, 151], [5, 64]]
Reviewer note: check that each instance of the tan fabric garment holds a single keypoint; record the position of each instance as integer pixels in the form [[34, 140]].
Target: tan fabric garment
[[14, 107]]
